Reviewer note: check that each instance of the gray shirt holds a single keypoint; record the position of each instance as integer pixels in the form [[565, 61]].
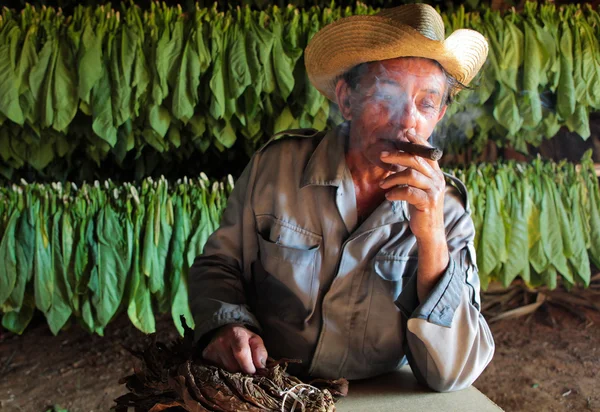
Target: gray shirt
[[291, 261]]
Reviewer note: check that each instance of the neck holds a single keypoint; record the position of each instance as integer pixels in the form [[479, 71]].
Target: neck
[[366, 177], [364, 173]]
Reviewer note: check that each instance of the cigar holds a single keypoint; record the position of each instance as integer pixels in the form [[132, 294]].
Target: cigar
[[427, 152]]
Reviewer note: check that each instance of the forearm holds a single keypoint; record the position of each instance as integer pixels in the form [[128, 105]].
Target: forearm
[[433, 262]]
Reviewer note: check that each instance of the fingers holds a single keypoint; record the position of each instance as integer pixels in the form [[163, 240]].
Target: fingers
[[227, 361], [259, 352], [416, 197], [407, 177], [235, 349], [242, 354], [413, 137], [411, 161]]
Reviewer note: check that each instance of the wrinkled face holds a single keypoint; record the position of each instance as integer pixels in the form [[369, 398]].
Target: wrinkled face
[[392, 97]]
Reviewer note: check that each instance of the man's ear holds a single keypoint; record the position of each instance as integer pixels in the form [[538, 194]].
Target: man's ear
[[342, 93], [442, 112]]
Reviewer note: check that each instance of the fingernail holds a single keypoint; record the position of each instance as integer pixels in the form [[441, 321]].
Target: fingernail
[[263, 362], [385, 154]]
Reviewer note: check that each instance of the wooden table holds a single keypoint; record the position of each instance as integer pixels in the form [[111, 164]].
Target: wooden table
[[400, 392]]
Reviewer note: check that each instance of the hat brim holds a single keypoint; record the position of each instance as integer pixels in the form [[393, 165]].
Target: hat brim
[[350, 41]]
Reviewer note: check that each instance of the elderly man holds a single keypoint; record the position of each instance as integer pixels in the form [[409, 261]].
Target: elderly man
[[337, 248]]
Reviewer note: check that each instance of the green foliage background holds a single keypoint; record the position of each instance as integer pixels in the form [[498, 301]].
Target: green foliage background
[[128, 93]]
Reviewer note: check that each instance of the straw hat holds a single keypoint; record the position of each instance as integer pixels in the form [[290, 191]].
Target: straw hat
[[412, 30]]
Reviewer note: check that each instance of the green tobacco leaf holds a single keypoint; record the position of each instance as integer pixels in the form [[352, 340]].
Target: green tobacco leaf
[[518, 246], [594, 220], [492, 241], [550, 232], [163, 231], [44, 284], [237, 62], [550, 277], [579, 259], [512, 55], [102, 111], [27, 61], [9, 88], [17, 321], [179, 268], [283, 63], [284, 121], [506, 111], [8, 257], [226, 135], [120, 66], [40, 81], [60, 310], [563, 219], [68, 246], [25, 250], [159, 119], [139, 308], [185, 89], [565, 94], [532, 70], [537, 256], [590, 64], [90, 64], [579, 121], [107, 293], [64, 88], [217, 80]]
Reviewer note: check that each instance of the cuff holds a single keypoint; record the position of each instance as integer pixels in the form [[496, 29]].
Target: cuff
[[226, 315], [442, 301]]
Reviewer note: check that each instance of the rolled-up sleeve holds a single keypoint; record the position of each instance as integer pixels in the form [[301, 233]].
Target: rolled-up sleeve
[[218, 278], [448, 342]]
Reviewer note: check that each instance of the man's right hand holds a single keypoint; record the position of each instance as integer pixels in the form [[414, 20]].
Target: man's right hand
[[235, 348]]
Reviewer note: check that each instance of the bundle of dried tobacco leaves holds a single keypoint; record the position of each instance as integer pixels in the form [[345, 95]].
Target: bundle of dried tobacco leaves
[[173, 378]]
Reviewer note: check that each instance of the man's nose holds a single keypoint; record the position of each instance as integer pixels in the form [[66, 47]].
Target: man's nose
[[405, 117]]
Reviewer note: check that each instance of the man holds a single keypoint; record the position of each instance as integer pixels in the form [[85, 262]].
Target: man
[[340, 250]]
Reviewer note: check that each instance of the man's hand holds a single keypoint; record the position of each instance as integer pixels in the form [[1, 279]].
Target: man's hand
[[236, 349], [422, 185]]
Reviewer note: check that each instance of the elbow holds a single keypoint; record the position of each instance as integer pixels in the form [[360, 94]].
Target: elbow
[[458, 378]]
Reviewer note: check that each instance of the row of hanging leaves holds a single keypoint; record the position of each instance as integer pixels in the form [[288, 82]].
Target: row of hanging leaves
[[89, 252], [537, 221], [102, 83], [542, 72]]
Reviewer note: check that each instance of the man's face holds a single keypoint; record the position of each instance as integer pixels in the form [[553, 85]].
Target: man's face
[[392, 97]]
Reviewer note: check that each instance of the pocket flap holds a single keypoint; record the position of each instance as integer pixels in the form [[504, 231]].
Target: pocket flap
[[394, 268], [281, 240]]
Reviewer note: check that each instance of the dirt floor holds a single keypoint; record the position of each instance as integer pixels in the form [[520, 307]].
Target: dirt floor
[[549, 361]]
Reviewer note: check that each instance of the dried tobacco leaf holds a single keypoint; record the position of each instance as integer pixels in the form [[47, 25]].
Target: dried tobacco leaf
[[172, 378]]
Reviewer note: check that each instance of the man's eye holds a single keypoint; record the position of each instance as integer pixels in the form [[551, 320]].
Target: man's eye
[[426, 104], [384, 97]]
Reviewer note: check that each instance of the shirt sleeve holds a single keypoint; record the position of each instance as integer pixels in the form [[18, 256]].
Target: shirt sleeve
[[448, 342], [217, 279]]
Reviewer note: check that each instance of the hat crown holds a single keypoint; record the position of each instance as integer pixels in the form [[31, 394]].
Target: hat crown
[[412, 30], [421, 17]]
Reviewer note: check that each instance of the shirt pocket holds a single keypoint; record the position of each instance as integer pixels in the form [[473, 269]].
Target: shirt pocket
[[383, 329], [285, 280]]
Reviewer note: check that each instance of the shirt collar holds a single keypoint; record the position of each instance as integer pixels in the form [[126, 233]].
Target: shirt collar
[[328, 162], [327, 167]]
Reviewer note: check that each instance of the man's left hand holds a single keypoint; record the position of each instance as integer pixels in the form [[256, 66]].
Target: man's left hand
[[422, 185]]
